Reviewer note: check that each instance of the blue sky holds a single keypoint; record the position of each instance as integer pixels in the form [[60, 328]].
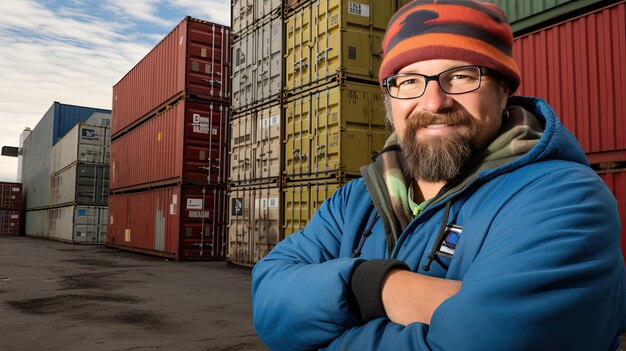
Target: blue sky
[[74, 51]]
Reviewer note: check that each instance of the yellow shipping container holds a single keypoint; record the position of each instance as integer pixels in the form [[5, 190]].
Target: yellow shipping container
[[254, 222], [331, 131], [255, 146], [330, 39], [302, 199]]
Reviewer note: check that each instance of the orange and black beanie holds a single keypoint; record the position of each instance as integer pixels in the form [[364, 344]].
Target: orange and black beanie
[[464, 30]]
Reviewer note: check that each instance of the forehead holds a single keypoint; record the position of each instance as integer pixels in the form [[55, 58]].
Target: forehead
[[430, 67]]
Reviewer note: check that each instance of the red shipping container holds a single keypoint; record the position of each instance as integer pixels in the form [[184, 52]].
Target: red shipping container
[[10, 196], [10, 222], [185, 143], [578, 67], [617, 184], [178, 222], [194, 59]]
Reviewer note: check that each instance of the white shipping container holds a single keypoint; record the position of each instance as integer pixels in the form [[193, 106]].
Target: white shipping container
[[36, 223], [84, 143], [246, 14], [78, 224], [81, 184], [258, 65]]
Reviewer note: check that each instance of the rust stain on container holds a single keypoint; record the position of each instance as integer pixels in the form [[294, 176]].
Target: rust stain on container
[[187, 142], [254, 222], [179, 222], [578, 67], [193, 59]]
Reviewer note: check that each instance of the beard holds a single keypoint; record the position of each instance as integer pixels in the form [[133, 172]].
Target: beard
[[439, 158]]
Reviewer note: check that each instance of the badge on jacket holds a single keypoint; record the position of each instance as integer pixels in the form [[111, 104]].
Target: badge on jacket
[[451, 238]]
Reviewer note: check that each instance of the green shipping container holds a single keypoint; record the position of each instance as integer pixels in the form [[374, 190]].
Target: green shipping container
[[524, 15]]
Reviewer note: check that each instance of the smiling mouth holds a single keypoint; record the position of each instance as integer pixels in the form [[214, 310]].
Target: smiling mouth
[[440, 125]]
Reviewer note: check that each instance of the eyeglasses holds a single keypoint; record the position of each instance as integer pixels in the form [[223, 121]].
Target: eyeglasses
[[458, 80]]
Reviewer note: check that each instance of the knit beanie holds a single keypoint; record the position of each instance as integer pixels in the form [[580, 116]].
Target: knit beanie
[[465, 30]]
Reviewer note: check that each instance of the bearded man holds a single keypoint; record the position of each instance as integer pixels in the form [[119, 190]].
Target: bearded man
[[480, 226]]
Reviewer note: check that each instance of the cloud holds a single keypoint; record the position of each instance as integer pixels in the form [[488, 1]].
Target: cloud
[[145, 10], [65, 54], [217, 11]]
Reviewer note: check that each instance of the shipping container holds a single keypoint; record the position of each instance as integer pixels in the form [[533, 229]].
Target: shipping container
[[36, 170], [255, 146], [192, 60], [10, 196], [254, 224], [78, 224], [258, 66], [333, 130], [247, 14], [578, 67], [10, 222], [187, 142], [36, 223], [331, 39], [80, 184], [179, 222], [616, 181], [525, 14], [302, 199], [84, 143]]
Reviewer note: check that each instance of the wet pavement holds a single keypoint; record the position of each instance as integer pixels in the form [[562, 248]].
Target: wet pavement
[[58, 296]]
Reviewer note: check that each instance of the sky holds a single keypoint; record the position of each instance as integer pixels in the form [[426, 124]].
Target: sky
[[74, 51]]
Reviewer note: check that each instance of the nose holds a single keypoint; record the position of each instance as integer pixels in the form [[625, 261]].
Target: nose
[[434, 99]]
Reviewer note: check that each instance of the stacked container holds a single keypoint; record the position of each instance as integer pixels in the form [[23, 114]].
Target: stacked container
[[10, 208], [256, 126], [36, 168], [307, 111], [79, 183], [333, 106], [169, 155], [576, 65]]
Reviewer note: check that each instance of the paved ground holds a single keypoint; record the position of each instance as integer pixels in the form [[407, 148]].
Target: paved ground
[[57, 296]]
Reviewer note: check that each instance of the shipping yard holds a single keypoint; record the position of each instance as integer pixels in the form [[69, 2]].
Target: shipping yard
[[222, 141]]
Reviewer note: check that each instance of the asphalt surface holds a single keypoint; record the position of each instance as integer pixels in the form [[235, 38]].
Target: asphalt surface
[[58, 296]]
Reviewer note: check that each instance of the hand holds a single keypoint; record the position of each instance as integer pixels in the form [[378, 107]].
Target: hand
[[412, 297]]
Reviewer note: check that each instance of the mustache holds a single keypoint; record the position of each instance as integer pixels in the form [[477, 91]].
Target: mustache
[[422, 119]]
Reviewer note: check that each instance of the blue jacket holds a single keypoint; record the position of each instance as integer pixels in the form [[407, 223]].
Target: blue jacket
[[538, 256]]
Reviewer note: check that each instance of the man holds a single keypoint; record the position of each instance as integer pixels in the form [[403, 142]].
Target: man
[[479, 227]]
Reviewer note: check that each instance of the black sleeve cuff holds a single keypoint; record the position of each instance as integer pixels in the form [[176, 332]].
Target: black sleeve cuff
[[366, 287]]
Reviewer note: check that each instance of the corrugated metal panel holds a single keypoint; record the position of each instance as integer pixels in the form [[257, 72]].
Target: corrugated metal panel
[[254, 222], [302, 199], [247, 14], [10, 196], [187, 142], [193, 58], [255, 155], [83, 144], [617, 184], [10, 222], [258, 65], [578, 67], [177, 222], [330, 39], [36, 171], [333, 131], [36, 223], [78, 224], [80, 184]]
